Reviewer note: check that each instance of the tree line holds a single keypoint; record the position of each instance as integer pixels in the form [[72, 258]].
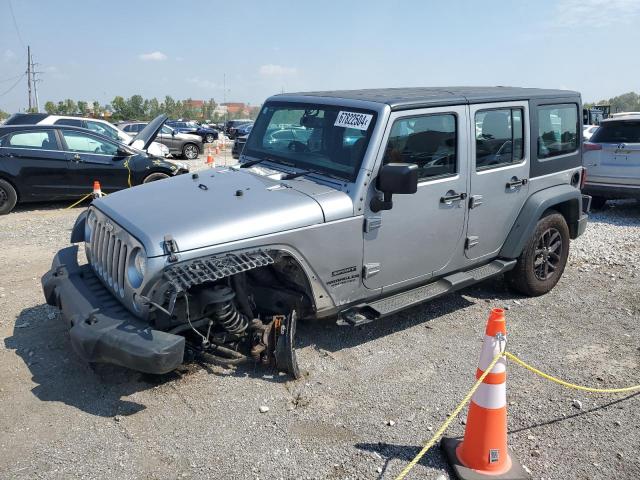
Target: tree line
[[138, 108], [627, 102]]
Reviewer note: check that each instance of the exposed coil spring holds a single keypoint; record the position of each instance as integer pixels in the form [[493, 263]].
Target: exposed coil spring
[[224, 311]]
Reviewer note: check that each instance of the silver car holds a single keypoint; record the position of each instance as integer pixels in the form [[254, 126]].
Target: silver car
[[612, 159], [179, 144], [389, 198]]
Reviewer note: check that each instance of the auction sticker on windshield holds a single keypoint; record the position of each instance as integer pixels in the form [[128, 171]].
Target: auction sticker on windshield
[[356, 120]]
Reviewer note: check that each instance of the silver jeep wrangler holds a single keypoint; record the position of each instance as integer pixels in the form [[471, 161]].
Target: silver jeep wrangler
[[350, 205]]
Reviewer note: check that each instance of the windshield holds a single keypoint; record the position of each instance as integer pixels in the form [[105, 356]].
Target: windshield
[[328, 139]]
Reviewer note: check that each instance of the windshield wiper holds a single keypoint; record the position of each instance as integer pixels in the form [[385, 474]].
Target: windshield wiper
[[291, 176], [251, 163]]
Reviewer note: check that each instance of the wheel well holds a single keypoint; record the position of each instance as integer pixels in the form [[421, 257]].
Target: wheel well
[[570, 210]]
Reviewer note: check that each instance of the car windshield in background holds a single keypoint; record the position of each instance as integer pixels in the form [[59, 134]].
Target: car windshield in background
[[322, 138], [617, 132]]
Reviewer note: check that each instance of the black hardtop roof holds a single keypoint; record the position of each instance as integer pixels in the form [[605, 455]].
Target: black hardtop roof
[[404, 98]]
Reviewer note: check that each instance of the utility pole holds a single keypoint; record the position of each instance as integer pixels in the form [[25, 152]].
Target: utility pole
[[29, 75], [35, 84]]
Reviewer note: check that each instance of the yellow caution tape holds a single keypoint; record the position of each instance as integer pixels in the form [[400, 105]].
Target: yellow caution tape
[[567, 384], [79, 201], [468, 396]]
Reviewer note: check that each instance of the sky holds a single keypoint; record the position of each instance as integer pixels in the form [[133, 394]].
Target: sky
[[247, 50]]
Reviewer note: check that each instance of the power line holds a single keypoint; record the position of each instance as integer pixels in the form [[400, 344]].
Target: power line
[[10, 78], [13, 86], [15, 24]]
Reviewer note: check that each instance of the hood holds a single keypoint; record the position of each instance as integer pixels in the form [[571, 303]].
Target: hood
[[149, 133], [219, 206]]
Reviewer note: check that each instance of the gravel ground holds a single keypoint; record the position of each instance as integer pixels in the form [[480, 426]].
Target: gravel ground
[[361, 410]]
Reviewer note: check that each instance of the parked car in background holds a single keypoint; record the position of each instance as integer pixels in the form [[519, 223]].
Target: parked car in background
[[94, 124], [235, 124], [179, 144], [208, 135], [239, 130], [56, 162], [238, 145], [612, 160], [244, 129], [588, 130]]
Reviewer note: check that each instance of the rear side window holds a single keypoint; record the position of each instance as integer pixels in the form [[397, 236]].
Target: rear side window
[[557, 130], [44, 140], [617, 132], [428, 141], [499, 137]]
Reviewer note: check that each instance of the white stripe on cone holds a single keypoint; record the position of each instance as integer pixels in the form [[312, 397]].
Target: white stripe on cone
[[490, 348], [490, 396]]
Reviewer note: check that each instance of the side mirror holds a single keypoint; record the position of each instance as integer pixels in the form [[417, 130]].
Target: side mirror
[[122, 152], [173, 133], [400, 178]]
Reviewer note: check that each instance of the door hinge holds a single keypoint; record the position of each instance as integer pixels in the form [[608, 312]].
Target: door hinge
[[475, 201], [471, 242], [370, 269], [372, 223], [171, 247]]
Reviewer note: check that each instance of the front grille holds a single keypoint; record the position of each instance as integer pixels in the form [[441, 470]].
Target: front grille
[[109, 255]]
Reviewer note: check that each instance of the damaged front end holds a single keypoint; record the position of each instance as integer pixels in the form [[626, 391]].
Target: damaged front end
[[232, 309], [227, 310]]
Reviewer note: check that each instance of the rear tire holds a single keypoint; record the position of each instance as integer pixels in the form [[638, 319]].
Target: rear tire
[[209, 138], [597, 203], [544, 257], [8, 197], [190, 151], [152, 177]]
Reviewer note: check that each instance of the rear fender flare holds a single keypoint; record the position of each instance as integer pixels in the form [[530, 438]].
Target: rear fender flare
[[564, 198]]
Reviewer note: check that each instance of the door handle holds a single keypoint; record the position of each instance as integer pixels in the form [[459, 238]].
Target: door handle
[[515, 182], [452, 196]]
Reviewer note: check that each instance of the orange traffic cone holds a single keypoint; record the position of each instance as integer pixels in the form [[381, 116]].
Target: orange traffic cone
[[217, 150], [97, 191], [483, 453], [210, 160]]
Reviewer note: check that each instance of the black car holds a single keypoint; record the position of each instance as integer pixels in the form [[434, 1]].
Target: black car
[[208, 135], [56, 162], [238, 145]]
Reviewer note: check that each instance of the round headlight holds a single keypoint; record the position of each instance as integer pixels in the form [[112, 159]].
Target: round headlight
[[137, 267]]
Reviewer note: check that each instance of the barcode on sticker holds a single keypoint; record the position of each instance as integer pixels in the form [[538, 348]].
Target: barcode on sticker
[[356, 120], [494, 455]]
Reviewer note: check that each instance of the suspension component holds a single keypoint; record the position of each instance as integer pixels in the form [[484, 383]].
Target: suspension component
[[221, 308]]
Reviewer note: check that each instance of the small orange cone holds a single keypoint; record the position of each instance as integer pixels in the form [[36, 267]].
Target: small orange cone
[[210, 160], [97, 191], [483, 452], [217, 150]]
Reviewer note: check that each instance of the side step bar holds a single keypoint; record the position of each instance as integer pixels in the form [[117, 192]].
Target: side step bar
[[367, 312]]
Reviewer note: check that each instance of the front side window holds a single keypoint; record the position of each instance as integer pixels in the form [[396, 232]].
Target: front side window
[[617, 132], [319, 138], [80, 142], [428, 141], [557, 130], [44, 140], [499, 137]]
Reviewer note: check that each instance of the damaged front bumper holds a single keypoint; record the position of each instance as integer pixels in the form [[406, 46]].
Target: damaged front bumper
[[101, 329]]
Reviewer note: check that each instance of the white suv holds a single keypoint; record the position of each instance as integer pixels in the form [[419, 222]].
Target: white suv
[[612, 159]]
